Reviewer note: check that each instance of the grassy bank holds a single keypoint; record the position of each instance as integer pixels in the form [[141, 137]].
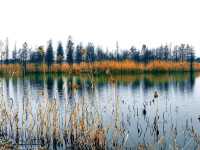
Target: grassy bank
[[105, 67]]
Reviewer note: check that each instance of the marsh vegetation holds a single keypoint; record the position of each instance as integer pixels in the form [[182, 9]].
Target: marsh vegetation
[[120, 111]]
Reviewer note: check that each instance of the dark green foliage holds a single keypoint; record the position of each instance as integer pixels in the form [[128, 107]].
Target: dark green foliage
[[49, 57], [70, 50], [41, 54], [90, 55], [38, 56], [100, 54], [79, 49], [134, 54], [60, 53]]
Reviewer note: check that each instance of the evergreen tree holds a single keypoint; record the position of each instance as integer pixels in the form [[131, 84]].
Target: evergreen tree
[[90, 56], [125, 55], [176, 53], [134, 54], [182, 52], [144, 53], [41, 54], [79, 49], [34, 57], [49, 57], [166, 52], [70, 50], [100, 54], [60, 53], [38, 56]]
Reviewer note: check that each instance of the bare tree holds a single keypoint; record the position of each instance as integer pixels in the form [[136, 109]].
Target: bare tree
[[1, 50], [24, 55], [6, 51]]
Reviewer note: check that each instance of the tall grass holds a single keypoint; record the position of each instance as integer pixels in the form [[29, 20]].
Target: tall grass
[[52, 124], [107, 67], [45, 125], [10, 69]]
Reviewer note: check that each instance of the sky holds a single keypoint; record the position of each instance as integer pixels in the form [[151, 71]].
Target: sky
[[103, 22]]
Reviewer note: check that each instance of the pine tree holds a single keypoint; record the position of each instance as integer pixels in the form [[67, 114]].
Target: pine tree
[[100, 54], [41, 54], [79, 53], [90, 56], [49, 57], [60, 53], [70, 50]]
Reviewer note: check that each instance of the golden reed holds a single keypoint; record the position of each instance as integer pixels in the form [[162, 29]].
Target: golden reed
[[101, 67]]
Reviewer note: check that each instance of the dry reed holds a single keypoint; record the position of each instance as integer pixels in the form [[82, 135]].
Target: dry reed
[[107, 67]]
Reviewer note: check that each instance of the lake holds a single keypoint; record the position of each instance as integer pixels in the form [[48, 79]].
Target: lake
[[125, 106]]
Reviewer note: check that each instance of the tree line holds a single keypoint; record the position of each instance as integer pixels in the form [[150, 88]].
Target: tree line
[[78, 53]]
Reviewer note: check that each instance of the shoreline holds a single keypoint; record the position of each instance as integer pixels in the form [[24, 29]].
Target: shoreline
[[101, 67]]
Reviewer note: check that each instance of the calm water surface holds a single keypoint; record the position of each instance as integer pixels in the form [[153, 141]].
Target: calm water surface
[[120, 101]]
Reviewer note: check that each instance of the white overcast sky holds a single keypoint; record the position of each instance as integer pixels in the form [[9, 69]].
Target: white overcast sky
[[131, 22]]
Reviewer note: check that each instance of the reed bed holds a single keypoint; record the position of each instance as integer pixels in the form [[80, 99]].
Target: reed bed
[[105, 67], [131, 66], [10, 69], [44, 125]]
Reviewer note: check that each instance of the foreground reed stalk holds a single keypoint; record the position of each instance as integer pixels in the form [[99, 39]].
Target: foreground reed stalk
[[44, 127], [54, 124]]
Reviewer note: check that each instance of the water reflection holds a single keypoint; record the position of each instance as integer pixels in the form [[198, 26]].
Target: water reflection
[[50, 85], [162, 82], [37, 82], [135, 84], [60, 87], [191, 80], [126, 102], [80, 87], [14, 86], [7, 87], [70, 89]]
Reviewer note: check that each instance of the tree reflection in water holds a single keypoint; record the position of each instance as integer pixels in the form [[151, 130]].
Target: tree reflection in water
[[107, 103]]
